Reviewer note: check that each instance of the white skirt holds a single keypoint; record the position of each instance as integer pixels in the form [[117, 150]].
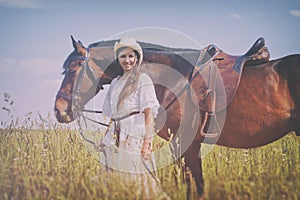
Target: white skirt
[[128, 162]]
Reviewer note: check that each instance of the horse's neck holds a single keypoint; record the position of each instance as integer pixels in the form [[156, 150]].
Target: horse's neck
[[170, 72], [180, 61]]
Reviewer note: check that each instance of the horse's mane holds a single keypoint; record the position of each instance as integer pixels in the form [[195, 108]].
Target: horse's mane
[[104, 43], [71, 57], [144, 45], [186, 53]]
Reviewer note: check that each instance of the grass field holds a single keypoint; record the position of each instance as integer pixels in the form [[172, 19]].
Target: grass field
[[43, 163]]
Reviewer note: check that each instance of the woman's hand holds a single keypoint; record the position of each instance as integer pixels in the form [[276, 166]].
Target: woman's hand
[[146, 150]]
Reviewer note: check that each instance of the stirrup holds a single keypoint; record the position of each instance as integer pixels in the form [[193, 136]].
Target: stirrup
[[212, 115]]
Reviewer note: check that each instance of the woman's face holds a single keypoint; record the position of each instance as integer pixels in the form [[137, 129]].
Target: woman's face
[[127, 59]]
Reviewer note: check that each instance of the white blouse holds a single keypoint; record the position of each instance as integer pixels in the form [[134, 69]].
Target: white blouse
[[143, 98]]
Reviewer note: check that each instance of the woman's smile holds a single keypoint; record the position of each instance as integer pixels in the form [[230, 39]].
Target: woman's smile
[[127, 59]]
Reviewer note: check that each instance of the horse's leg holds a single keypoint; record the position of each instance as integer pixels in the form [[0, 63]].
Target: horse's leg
[[194, 163], [191, 155], [188, 180]]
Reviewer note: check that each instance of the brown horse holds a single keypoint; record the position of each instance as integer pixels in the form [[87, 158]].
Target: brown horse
[[265, 107]]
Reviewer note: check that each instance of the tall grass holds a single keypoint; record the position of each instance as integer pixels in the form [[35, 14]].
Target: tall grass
[[52, 162], [268, 172]]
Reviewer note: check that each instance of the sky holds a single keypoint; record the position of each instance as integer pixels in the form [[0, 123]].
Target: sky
[[35, 36]]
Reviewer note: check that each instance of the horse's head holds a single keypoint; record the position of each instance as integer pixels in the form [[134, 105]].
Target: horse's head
[[86, 70]]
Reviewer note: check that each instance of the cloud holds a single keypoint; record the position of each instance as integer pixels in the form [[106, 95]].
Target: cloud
[[295, 13], [27, 4], [234, 16]]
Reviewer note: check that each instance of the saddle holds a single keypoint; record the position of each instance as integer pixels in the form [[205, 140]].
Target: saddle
[[220, 75]]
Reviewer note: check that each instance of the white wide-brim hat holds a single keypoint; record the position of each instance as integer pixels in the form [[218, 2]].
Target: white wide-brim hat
[[131, 43]]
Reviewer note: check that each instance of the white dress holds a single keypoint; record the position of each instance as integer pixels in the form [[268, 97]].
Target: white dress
[[127, 158], [143, 98]]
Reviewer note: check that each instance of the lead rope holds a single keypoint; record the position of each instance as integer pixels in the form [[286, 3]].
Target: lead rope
[[80, 115], [153, 171]]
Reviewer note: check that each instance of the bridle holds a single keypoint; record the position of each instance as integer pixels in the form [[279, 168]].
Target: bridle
[[66, 65]]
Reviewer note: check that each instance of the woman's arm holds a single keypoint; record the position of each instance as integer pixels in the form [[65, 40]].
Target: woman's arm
[[149, 135]]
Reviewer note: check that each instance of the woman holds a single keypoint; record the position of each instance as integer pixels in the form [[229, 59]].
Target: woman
[[132, 105]]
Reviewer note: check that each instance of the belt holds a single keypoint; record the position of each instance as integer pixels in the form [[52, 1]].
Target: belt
[[117, 127]]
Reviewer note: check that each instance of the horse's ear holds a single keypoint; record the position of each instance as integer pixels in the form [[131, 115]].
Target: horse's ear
[[78, 46], [73, 42]]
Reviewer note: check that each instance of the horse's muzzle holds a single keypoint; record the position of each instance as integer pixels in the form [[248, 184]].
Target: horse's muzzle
[[63, 111]]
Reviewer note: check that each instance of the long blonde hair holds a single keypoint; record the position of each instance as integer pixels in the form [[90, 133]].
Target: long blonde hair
[[132, 82]]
